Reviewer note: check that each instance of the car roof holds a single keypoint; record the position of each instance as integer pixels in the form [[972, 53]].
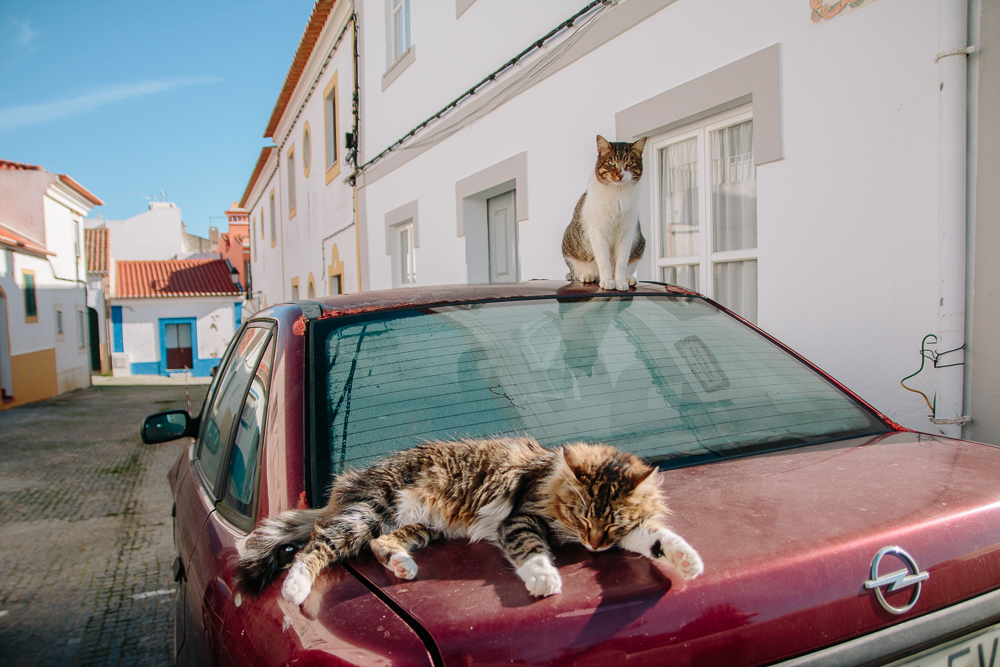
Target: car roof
[[394, 299]]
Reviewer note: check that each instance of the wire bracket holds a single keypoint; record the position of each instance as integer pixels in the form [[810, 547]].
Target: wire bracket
[[955, 52], [960, 421]]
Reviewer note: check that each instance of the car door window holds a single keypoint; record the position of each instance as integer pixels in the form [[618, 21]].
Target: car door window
[[241, 482], [221, 417]]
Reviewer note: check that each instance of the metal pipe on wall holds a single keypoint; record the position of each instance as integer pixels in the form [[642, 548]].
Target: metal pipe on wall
[[953, 24]]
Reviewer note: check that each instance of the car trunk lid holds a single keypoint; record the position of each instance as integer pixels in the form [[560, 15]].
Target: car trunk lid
[[787, 538]]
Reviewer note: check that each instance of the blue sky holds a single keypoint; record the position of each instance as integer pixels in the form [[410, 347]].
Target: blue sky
[[137, 97]]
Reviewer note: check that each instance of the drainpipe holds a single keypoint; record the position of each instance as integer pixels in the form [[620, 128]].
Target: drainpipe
[[953, 24]]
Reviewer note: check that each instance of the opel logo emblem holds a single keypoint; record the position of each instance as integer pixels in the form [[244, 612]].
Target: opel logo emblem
[[896, 580]]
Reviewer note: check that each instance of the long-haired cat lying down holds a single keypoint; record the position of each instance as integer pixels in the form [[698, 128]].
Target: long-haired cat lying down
[[510, 491]]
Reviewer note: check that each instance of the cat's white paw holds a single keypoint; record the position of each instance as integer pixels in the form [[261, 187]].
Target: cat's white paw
[[608, 284], [403, 566], [621, 285], [588, 278], [667, 546], [540, 576], [631, 281], [675, 550], [297, 584]]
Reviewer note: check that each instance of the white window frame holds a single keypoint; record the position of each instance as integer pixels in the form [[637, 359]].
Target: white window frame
[[706, 258], [60, 323], [81, 329], [403, 7], [407, 254]]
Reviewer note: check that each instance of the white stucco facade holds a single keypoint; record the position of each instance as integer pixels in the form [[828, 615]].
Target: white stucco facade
[[44, 332], [315, 236], [847, 207]]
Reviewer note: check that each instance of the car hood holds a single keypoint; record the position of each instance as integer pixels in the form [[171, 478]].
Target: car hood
[[787, 538]]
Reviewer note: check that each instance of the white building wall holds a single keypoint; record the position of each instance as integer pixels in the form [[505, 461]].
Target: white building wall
[[153, 234], [847, 219], [451, 55], [214, 328], [324, 211]]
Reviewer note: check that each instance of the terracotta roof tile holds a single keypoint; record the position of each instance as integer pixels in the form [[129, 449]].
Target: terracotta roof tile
[[174, 277], [21, 243], [96, 241], [321, 11], [19, 166]]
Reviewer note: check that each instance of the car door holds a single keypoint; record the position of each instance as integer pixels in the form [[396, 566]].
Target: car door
[[221, 421], [241, 630]]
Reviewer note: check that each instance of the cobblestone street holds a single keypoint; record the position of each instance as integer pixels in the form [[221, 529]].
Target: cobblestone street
[[85, 529]]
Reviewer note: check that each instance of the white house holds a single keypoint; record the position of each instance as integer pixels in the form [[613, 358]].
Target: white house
[[302, 222], [44, 322], [172, 316], [823, 167]]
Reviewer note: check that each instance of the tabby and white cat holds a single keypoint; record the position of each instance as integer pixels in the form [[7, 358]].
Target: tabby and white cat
[[603, 243], [509, 491]]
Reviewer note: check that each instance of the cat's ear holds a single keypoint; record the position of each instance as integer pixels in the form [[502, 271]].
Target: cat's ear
[[637, 146], [568, 460], [603, 145], [643, 475]]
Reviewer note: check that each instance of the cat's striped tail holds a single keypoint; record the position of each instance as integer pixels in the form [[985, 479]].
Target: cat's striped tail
[[271, 547]]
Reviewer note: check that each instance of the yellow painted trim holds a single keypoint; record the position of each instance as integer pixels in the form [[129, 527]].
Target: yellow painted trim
[[306, 148], [274, 223], [295, 288], [33, 377], [335, 268], [310, 285], [30, 319], [334, 170], [290, 186]]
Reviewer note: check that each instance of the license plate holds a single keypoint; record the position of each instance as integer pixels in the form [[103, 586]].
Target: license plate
[[980, 649]]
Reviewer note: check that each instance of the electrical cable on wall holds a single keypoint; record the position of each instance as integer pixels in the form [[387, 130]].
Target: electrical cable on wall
[[544, 63], [934, 357], [925, 354]]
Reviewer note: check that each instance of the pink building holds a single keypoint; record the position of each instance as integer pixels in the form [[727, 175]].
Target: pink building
[[234, 244]]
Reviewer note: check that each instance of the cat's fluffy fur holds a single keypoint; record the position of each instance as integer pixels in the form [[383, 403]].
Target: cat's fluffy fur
[[509, 491], [603, 243]]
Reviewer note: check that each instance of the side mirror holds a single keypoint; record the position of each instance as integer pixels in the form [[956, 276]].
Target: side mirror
[[166, 426]]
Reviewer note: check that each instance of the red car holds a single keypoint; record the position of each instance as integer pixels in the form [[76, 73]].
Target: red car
[[830, 535]]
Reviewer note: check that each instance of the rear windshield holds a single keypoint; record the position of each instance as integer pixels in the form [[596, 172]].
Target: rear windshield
[[672, 379]]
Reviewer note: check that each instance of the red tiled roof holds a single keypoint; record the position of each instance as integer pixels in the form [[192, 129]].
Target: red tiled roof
[[19, 166], [87, 194], [321, 10], [174, 277], [20, 243], [96, 241], [265, 153]]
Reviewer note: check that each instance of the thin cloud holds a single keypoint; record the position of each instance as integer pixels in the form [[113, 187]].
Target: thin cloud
[[17, 39], [33, 114], [25, 34]]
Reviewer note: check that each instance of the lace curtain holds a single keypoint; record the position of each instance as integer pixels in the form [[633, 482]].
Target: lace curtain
[[679, 199], [734, 189]]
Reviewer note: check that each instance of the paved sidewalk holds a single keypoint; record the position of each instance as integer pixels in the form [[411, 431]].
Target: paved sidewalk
[[85, 529], [131, 380]]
